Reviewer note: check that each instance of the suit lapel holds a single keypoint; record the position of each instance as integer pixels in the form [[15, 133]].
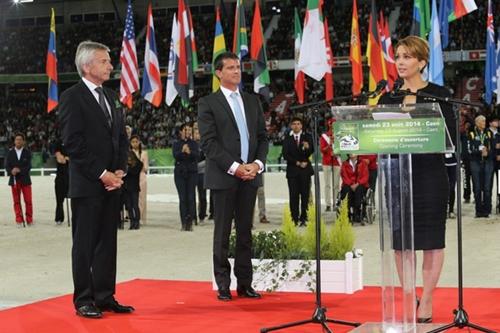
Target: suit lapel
[[91, 101], [111, 103], [248, 114], [219, 95]]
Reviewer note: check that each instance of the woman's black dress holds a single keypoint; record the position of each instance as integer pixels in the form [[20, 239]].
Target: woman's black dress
[[430, 182]]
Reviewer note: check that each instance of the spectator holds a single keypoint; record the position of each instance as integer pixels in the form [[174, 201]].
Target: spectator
[[61, 181], [18, 167], [185, 152], [354, 174], [297, 148], [131, 184], [480, 146]]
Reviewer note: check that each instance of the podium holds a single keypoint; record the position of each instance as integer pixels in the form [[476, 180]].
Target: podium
[[394, 133]]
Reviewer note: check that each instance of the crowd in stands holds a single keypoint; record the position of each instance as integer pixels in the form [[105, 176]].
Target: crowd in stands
[[464, 34], [25, 110]]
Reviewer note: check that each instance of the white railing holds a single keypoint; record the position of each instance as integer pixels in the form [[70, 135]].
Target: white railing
[[152, 170]]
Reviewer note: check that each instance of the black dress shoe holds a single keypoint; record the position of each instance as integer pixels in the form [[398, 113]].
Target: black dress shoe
[[224, 295], [116, 307], [247, 292], [89, 311], [424, 320]]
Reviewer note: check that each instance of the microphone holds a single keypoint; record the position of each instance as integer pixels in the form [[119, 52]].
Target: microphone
[[397, 87], [378, 89]]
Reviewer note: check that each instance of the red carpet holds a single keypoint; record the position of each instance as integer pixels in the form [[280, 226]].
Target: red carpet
[[179, 306]]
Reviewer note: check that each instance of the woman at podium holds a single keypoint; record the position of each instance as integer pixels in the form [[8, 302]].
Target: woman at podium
[[430, 180]]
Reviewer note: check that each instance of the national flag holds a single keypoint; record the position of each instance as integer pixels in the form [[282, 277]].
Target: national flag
[[184, 66], [194, 52], [219, 47], [386, 42], [355, 53], [261, 78], [490, 83], [299, 75], [451, 10], [51, 66], [151, 80], [374, 54], [329, 88], [129, 76], [421, 24], [498, 68], [461, 8], [313, 59], [436, 64], [170, 91], [445, 7], [240, 39]]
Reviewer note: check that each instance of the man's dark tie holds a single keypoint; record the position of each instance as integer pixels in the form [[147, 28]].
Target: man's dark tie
[[102, 103]]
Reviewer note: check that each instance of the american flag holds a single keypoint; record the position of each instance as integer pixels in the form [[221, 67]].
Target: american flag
[[129, 82]]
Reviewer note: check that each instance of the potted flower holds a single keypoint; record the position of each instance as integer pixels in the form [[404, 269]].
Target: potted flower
[[284, 260]]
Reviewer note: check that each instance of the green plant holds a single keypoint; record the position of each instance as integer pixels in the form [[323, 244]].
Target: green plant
[[293, 243], [310, 235], [275, 248], [341, 235]]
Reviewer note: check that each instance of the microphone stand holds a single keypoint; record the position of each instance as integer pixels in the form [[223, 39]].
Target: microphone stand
[[461, 318], [319, 315]]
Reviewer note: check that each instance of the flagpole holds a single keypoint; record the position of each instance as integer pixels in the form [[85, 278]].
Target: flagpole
[[319, 315]]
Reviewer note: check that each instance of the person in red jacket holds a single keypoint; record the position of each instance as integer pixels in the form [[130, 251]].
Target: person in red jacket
[[354, 174], [330, 162], [371, 162]]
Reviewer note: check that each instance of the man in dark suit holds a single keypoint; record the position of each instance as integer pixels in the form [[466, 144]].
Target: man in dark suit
[[297, 148], [233, 137], [93, 133], [18, 167]]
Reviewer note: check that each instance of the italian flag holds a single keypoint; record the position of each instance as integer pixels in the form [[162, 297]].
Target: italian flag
[[299, 75], [313, 59]]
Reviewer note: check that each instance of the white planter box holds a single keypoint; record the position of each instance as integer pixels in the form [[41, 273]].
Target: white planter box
[[337, 276]]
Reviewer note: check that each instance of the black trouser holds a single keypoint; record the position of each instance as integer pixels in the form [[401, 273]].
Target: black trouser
[[299, 188], [211, 205], [132, 204], [355, 199], [186, 184], [482, 173], [202, 197], [237, 202], [467, 180], [94, 228], [372, 180], [61, 189], [452, 180]]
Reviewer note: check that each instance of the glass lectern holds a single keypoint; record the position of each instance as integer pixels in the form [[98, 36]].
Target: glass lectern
[[394, 133]]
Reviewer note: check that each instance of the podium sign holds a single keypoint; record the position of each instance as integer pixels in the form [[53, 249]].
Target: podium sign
[[390, 129], [389, 136], [394, 132]]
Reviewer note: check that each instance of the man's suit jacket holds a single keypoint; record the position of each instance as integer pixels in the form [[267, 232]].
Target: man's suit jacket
[[294, 153], [220, 139], [91, 144], [24, 164]]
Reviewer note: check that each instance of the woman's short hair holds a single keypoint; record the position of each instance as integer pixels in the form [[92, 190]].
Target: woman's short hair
[[85, 54], [416, 46]]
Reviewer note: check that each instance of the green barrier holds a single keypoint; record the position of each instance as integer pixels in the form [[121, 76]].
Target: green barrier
[[36, 160], [163, 157]]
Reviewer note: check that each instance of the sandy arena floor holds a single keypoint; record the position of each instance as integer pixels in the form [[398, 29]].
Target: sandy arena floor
[[35, 262]]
